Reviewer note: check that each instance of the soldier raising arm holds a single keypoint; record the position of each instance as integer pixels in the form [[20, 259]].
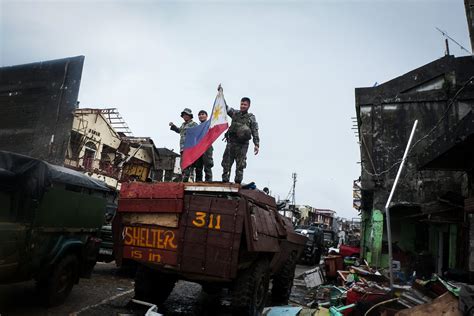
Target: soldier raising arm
[[187, 116], [243, 128], [253, 125]]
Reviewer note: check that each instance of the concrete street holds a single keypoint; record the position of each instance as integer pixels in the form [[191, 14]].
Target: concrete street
[[108, 293]]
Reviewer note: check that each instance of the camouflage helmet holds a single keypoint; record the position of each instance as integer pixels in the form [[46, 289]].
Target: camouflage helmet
[[187, 111]]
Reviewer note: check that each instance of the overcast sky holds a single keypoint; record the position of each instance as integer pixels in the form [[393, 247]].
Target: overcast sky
[[299, 62]]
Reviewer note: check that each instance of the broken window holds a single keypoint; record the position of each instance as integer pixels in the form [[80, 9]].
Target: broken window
[[89, 155], [106, 162], [75, 142]]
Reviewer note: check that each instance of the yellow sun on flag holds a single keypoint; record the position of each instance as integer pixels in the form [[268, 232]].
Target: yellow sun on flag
[[217, 113]]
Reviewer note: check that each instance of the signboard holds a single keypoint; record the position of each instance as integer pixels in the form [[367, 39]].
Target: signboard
[[153, 244]]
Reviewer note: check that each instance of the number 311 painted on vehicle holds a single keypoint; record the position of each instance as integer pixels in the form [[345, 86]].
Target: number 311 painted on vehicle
[[201, 219]]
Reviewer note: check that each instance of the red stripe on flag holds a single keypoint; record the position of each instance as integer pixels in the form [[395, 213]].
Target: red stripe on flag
[[190, 155]]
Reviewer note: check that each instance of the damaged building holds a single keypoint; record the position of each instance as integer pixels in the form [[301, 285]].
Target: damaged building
[[430, 225], [308, 215], [39, 117], [101, 145]]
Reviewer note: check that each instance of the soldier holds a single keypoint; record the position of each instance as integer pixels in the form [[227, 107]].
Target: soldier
[[244, 127], [205, 161], [187, 116]]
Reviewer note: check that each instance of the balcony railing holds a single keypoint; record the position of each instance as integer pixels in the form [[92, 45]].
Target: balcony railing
[[94, 165]]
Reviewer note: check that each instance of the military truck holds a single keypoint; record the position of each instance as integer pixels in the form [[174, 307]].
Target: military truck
[[314, 247], [50, 220], [217, 234], [106, 249]]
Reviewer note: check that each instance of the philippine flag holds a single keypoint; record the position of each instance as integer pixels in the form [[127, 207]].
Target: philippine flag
[[200, 138]]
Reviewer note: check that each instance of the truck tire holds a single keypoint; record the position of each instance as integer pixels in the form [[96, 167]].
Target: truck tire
[[283, 282], [250, 290], [152, 286], [211, 289], [55, 289]]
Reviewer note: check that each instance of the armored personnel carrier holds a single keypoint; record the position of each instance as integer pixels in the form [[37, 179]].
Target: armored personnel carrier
[[217, 234]]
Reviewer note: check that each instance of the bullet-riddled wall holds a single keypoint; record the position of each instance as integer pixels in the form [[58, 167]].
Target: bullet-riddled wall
[[386, 114]]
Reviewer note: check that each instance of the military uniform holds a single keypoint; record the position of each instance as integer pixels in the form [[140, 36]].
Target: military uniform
[[205, 162], [243, 128], [182, 132]]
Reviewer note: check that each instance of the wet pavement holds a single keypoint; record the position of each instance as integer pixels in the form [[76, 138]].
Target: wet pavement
[[108, 293], [104, 285]]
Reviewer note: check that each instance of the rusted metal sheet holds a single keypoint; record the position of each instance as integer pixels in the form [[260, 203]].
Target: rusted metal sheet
[[156, 256], [150, 205], [264, 222], [152, 244], [205, 239], [259, 197], [192, 265], [220, 222], [37, 102], [163, 190], [162, 219], [236, 246], [296, 238], [280, 257], [151, 237], [198, 203], [279, 224], [211, 187], [212, 213], [265, 244], [261, 234], [218, 262], [210, 233], [224, 206], [214, 258]]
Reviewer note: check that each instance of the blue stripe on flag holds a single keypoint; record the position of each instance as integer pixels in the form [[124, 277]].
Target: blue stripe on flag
[[195, 134]]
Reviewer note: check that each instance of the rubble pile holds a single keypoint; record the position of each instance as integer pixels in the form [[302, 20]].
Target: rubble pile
[[364, 290]]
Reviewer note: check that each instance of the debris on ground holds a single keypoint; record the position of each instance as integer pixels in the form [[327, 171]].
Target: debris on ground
[[446, 304], [338, 289], [313, 277]]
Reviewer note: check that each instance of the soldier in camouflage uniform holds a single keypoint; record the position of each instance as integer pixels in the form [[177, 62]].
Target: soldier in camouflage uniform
[[243, 128], [205, 161], [187, 116]]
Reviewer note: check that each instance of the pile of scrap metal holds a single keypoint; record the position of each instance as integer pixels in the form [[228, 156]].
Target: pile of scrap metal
[[363, 290]]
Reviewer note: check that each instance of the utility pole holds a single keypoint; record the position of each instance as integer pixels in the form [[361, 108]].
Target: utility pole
[[293, 199]]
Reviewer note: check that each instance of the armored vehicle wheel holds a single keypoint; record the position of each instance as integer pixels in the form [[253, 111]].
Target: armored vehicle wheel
[[211, 289], [55, 289], [152, 286], [250, 289], [283, 282]]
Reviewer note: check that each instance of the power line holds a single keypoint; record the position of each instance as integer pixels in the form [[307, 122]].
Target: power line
[[453, 40]]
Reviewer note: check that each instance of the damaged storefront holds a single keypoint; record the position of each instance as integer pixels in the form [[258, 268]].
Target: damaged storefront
[[429, 223], [455, 152]]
